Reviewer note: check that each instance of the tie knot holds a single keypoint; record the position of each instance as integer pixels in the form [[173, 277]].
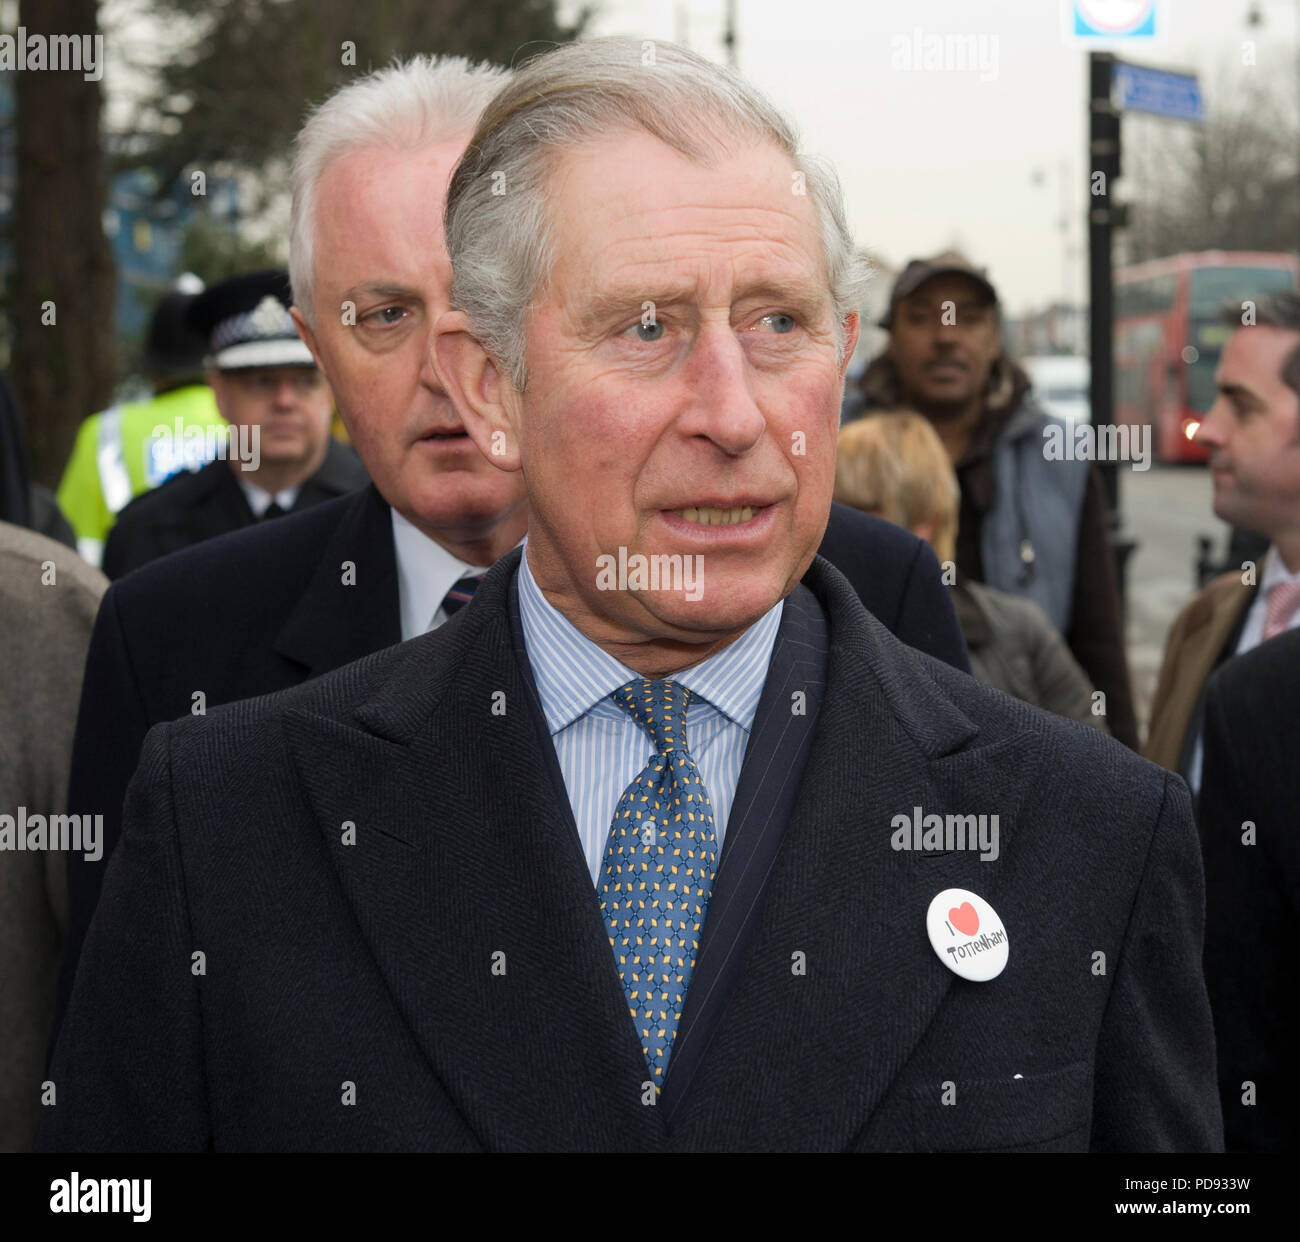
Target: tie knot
[[660, 706]]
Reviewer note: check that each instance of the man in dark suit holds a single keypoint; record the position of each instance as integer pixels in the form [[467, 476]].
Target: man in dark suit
[[1252, 432], [408, 905], [275, 605], [1248, 812], [279, 456]]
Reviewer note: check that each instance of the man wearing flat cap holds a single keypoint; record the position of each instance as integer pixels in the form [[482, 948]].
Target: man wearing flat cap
[[612, 859], [278, 456]]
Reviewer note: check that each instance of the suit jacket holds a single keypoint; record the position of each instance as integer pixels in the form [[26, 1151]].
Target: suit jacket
[[400, 946], [46, 623], [270, 607], [1204, 634], [193, 506], [1252, 739]]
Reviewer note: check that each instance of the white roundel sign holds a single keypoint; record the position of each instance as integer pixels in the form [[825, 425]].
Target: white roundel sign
[[1117, 17]]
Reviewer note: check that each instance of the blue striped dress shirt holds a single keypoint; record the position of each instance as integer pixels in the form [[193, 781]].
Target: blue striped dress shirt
[[600, 747]]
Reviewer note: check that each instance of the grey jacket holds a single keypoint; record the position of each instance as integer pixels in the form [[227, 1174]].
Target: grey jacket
[[1016, 649], [48, 599], [1030, 538]]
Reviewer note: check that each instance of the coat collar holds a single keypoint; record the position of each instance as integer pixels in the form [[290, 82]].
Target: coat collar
[[1224, 601], [350, 607], [869, 657]]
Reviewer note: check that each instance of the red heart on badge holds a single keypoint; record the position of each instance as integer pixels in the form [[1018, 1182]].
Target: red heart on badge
[[964, 918]]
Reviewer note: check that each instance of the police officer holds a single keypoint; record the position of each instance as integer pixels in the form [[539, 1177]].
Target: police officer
[[278, 457], [116, 455]]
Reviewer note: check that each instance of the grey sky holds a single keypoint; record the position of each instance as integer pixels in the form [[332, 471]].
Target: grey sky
[[933, 157]]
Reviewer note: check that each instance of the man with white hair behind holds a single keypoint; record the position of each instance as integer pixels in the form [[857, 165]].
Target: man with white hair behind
[[282, 602], [612, 861]]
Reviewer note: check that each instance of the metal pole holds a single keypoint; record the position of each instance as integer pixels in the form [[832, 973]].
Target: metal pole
[[1103, 156], [729, 37], [1102, 148]]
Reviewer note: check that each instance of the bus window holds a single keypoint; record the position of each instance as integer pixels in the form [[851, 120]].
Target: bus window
[[1200, 381], [1216, 288], [1160, 293]]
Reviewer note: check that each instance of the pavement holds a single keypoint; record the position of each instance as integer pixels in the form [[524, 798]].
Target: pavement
[[1164, 509]]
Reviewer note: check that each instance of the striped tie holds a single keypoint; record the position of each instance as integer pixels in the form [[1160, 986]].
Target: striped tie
[[460, 594], [658, 870]]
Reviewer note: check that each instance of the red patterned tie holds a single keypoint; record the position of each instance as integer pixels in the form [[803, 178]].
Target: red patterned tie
[[1283, 604]]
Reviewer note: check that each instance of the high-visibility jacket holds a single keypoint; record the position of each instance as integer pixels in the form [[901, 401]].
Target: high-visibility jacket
[[128, 449]]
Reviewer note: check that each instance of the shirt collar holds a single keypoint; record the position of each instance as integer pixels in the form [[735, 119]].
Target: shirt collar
[[426, 571], [1275, 572], [573, 674], [259, 500]]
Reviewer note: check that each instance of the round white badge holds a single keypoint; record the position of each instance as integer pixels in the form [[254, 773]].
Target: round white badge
[[967, 935]]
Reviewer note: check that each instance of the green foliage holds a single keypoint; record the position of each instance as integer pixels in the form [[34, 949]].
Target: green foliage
[[212, 252], [236, 91]]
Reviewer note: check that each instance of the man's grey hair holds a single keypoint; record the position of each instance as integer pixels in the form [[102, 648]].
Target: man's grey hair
[[412, 104], [497, 224]]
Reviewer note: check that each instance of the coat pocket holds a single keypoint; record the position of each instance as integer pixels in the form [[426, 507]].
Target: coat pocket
[[1049, 1111]]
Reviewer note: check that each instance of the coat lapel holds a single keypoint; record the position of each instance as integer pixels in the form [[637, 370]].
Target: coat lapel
[[779, 745], [1207, 649], [226, 506], [840, 981], [213, 505], [350, 608], [470, 888]]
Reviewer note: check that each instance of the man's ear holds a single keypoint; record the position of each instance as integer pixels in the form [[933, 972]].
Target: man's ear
[[304, 331], [852, 326], [482, 393]]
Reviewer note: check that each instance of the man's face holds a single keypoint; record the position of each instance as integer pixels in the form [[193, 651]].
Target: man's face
[[378, 244], [1253, 433], [681, 359], [943, 340], [291, 406]]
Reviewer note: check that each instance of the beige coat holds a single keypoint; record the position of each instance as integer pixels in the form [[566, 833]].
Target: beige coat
[[48, 600], [1192, 651]]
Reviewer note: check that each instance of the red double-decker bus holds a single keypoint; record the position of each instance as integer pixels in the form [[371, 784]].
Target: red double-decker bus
[[1169, 334]]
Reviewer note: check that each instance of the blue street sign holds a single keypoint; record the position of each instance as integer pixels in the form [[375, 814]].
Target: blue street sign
[[1174, 95]]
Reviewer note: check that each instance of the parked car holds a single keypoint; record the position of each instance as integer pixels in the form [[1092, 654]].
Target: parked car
[[1061, 385]]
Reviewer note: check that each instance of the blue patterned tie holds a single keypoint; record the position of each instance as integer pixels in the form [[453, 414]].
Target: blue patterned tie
[[658, 870]]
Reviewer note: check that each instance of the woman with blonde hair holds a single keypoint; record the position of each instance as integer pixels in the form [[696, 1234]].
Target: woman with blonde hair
[[894, 465]]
